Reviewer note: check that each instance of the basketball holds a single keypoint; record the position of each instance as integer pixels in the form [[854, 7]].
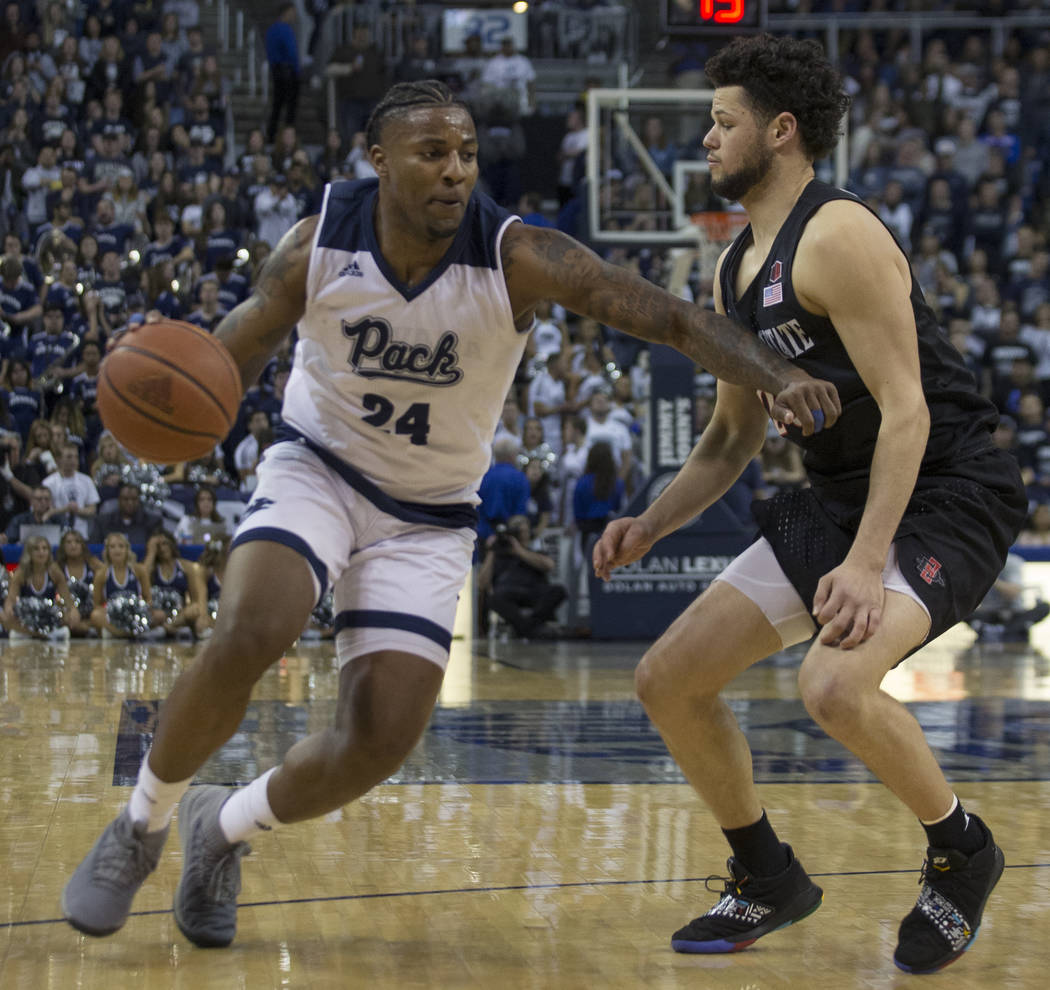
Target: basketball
[[169, 392]]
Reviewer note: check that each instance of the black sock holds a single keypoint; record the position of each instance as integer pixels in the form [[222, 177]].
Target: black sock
[[757, 848], [957, 831]]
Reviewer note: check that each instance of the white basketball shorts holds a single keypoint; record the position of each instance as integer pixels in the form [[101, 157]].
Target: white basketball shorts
[[395, 583], [757, 574]]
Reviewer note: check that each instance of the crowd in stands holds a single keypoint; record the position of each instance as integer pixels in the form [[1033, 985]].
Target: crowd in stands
[[121, 202]]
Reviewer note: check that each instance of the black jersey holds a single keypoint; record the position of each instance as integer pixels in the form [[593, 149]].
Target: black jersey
[[961, 419], [968, 503]]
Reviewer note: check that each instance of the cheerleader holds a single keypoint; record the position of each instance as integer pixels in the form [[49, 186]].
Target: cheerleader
[[37, 576], [121, 577], [179, 602], [79, 566]]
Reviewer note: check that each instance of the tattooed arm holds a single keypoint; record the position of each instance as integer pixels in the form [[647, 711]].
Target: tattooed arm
[[255, 329], [541, 263]]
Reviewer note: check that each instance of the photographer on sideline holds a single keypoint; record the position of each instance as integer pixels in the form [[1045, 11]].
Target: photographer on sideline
[[515, 581]]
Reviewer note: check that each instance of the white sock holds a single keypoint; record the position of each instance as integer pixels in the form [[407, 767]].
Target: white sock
[[247, 811], [947, 814], [153, 801]]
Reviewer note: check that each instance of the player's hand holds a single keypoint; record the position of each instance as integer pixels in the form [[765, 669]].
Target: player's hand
[[623, 541], [808, 403], [848, 605]]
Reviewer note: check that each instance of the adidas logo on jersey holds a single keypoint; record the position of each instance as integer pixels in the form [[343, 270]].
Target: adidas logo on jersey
[[353, 269]]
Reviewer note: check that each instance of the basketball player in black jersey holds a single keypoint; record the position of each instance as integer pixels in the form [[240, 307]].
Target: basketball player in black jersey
[[907, 522]]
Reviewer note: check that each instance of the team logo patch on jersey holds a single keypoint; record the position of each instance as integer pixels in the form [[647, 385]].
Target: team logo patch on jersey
[[262, 502], [353, 269], [376, 353], [929, 569], [775, 271]]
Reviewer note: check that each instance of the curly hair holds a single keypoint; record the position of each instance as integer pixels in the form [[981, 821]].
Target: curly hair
[[405, 96], [786, 75]]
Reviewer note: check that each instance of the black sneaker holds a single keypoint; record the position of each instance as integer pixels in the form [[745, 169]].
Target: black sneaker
[[947, 915], [750, 908]]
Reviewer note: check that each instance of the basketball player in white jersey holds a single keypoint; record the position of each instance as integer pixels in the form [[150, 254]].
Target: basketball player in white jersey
[[413, 295]]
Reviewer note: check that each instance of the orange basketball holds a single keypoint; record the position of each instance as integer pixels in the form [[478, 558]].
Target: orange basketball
[[169, 392]]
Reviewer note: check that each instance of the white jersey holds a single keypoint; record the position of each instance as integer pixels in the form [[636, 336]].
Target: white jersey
[[404, 384]]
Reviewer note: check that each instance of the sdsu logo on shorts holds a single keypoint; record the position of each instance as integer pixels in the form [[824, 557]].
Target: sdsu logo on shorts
[[929, 569]]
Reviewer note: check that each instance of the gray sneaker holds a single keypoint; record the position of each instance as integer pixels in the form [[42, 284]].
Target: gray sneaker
[[206, 897], [98, 897]]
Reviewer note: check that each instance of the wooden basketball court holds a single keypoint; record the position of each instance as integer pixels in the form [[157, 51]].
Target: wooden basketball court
[[539, 837]]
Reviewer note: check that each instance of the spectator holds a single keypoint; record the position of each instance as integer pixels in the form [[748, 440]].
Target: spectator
[[166, 245], [282, 54], [530, 208], [1003, 350], [24, 402], [599, 494], [73, 493], [276, 210], [508, 70], [110, 234], [571, 156], [602, 427], [12, 37], [204, 523], [110, 464], [19, 306], [249, 450], [504, 490], [510, 422], [550, 396], [540, 505], [30, 269], [515, 581], [416, 63], [501, 144], [39, 447], [204, 128], [153, 65], [39, 180], [52, 350], [896, 213], [360, 80], [89, 44], [221, 240], [208, 314], [549, 335], [534, 445], [39, 518], [129, 517], [110, 70], [232, 285], [177, 47]]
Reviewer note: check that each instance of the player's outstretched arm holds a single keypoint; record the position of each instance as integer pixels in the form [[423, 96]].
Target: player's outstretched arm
[[541, 263], [255, 329]]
